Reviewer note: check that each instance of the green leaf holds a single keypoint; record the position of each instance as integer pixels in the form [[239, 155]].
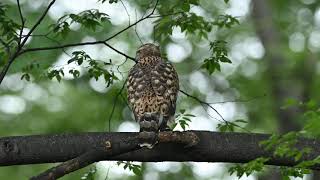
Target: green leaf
[[185, 7], [187, 21], [58, 77], [26, 77], [312, 104], [89, 175], [219, 54], [190, 115], [182, 119], [226, 127], [248, 168], [112, 1], [75, 73], [241, 121], [226, 21], [137, 171], [89, 19], [289, 102]]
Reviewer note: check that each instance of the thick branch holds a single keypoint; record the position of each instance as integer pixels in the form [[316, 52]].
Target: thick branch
[[108, 149], [212, 147]]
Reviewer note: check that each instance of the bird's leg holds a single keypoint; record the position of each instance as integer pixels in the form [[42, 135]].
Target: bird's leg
[[164, 124]]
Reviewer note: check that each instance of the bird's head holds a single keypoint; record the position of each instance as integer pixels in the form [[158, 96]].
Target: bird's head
[[146, 50]]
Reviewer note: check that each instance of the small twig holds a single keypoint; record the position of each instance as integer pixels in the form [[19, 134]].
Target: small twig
[[135, 28], [119, 52], [19, 49], [114, 104], [37, 23], [118, 67], [211, 107], [164, 15], [239, 100], [6, 67], [125, 8], [107, 175], [51, 39], [22, 23], [59, 46], [125, 100], [203, 102]]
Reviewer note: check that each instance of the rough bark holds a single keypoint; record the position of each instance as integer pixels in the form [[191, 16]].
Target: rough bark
[[211, 147]]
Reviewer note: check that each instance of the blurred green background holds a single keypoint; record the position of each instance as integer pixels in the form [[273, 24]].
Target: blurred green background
[[274, 52]]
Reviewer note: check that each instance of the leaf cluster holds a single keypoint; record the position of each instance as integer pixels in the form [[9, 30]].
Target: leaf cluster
[[136, 169], [183, 119], [227, 126], [95, 68], [90, 19], [177, 14], [8, 28], [28, 69], [284, 146], [226, 21], [188, 22], [311, 116], [219, 53], [90, 174], [248, 168]]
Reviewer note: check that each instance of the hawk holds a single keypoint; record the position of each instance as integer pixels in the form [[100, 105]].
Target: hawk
[[152, 88]]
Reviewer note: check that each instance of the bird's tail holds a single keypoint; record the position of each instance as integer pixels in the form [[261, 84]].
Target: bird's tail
[[149, 128]]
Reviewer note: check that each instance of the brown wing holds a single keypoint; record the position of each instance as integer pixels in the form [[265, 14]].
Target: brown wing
[[140, 93], [165, 83], [134, 82]]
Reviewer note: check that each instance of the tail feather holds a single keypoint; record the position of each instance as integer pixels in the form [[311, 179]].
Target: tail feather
[[149, 127]]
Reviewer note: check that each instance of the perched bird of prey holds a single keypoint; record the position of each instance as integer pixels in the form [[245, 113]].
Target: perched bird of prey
[[152, 87]]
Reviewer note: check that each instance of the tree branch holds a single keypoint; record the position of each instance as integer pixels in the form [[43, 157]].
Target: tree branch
[[21, 51], [115, 103], [202, 102], [37, 23], [212, 147], [211, 107], [22, 23], [95, 42], [119, 52], [18, 50], [108, 149]]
